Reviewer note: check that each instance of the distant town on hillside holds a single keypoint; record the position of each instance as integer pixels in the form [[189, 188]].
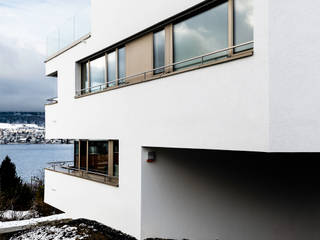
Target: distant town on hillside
[[25, 128]]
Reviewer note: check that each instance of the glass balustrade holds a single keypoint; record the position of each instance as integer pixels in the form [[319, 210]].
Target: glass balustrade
[[72, 30]]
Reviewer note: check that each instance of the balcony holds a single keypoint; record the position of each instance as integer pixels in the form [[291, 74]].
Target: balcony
[[51, 101], [68, 168], [72, 32], [209, 59]]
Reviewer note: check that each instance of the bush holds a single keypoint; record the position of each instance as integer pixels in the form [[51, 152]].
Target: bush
[[18, 196], [14, 195]]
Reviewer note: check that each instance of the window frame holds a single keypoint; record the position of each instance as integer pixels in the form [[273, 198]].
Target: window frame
[[111, 161], [105, 85]]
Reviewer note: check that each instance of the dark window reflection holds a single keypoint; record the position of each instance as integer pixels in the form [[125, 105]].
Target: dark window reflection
[[76, 154], [98, 156], [116, 158], [84, 78]]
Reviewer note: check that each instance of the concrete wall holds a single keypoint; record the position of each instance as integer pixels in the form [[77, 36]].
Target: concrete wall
[[294, 76], [205, 195]]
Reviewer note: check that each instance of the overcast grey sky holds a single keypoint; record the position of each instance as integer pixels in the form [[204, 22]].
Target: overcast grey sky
[[24, 26]]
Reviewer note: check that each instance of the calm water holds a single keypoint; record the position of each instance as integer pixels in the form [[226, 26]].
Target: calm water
[[32, 158]]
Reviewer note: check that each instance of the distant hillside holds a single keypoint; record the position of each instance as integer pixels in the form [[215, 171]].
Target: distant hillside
[[23, 117]]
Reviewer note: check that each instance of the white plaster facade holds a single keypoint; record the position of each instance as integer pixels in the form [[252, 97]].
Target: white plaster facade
[[264, 103]]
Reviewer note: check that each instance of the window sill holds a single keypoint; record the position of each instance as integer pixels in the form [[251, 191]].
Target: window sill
[[235, 56]]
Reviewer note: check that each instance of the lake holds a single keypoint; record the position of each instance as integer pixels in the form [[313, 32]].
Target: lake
[[30, 159]]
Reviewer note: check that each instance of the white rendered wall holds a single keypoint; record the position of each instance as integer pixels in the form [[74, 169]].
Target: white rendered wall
[[294, 76], [219, 107], [116, 207], [201, 195]]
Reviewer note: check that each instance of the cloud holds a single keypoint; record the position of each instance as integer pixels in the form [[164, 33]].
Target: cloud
[[24, 28]]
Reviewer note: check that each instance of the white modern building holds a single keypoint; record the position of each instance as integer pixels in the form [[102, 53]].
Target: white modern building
[[192, 119]]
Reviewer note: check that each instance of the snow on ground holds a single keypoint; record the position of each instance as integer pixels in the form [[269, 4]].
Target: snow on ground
[[17, 215], [52, 233], [6, 227], [17, 126]]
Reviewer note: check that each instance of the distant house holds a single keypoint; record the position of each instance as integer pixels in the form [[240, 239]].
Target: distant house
[[191, 119]]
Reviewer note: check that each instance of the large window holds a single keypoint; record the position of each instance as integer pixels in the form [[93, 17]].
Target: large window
[[97, 156], [159, 51], [201, 34], [243, 23]]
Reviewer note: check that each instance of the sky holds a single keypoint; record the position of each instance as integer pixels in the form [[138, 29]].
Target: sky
[[24, 27]]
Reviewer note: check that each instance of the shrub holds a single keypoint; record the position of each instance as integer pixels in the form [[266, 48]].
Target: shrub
[[14, 194]]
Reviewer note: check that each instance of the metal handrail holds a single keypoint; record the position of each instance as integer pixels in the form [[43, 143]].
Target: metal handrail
[[90, 172], [144, 74], [59, 163], [69, 168]]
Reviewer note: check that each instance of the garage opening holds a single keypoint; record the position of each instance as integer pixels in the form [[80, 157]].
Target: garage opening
[[229, 195]]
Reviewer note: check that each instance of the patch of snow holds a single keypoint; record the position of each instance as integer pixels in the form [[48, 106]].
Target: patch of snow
[[17, 215], [6, 227], [51, 233], [17, 126]]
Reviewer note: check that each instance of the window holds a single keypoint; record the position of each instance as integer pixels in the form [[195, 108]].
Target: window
[[243, 23], [97, 157], [84, 78], [201, 34], [112, 69], [97, 74], [159, 51], [121, 65], [116, 158], [100, 77]]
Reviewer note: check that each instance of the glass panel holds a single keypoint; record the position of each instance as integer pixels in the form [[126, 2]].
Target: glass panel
[[73, 29], [201, 34], [243, 23], [83, 155], [66, 33], [82, 23], [76, 154], [116, 158], [98, 156], [122, 64], [97, 73], [158, 51], [84, 78], [112, 69]]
